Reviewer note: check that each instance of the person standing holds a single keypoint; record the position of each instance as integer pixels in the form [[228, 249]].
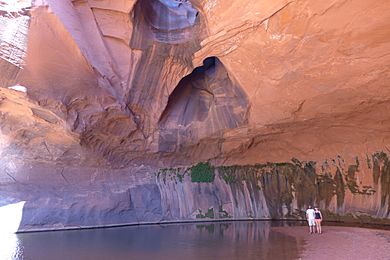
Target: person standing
[[318, 219], [310, 216]]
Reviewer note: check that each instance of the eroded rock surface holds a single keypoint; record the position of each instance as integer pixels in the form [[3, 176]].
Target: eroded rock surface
[[55, 196], [118, 85], [14, 23]]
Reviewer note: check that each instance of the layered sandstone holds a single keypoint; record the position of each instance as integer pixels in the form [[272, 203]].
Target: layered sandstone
[[117, 89]]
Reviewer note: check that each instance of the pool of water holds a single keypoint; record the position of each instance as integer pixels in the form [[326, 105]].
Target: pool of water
[[223, 240]]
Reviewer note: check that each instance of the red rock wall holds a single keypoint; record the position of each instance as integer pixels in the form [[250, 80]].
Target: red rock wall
[[111, 85]]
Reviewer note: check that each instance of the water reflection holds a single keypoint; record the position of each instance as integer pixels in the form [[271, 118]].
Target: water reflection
[[10, 247], [237, 240]]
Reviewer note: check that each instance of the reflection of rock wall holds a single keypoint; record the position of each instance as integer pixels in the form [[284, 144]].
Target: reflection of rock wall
[[240, 240]]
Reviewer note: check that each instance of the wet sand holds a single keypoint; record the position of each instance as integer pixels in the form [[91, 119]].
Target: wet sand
[[341, 242]]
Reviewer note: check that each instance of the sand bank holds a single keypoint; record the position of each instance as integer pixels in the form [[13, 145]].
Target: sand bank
[[342, 243]]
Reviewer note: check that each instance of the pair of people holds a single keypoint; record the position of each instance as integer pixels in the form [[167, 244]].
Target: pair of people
[[314, 218]]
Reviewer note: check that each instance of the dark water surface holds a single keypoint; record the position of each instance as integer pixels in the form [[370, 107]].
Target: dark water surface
[[224, 240]]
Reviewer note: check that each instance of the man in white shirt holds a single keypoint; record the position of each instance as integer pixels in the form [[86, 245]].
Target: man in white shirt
[[310, 216]]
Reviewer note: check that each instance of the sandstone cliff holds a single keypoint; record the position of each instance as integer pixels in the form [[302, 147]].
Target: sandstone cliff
[[118, 89]]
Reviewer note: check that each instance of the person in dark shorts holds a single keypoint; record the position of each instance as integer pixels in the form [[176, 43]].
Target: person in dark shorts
[[318, 219]]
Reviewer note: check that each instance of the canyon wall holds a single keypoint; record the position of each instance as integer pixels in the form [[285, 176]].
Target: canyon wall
[[156, 81], [105, 105], [65, 197]]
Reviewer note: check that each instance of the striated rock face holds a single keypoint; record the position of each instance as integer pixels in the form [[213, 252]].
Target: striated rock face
[[57, 197], [357, 192], [296, 75], [42, 136], [14, 23], [109, 87], [170, 21]]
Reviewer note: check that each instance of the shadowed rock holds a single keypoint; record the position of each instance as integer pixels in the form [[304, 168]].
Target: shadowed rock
[[204, 102], [121, 85], [170, 21]]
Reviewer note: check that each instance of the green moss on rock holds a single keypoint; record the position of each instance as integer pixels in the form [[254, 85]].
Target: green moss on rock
[[288, 185], [228, 174], [223, 213], [202, 172], [208, 214]]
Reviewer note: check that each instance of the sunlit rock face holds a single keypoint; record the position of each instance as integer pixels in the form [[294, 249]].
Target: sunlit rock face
[[140, 85], [14, 23], [286, 74]]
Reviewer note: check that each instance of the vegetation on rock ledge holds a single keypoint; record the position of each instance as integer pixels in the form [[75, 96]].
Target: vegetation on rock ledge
[[202, 172], [208, 214], [290, 186], [228, 173]]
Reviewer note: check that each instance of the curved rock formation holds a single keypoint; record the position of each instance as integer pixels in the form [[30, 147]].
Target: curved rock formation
[[170, 21], [117, 89], [205, 102]]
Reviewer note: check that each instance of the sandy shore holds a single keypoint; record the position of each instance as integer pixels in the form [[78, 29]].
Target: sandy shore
[[342, 243]]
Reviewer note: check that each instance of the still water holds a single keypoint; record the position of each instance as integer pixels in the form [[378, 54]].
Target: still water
[[224, 240]]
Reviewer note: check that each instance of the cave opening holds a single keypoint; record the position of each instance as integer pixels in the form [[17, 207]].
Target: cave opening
[[192, 96], [168, 21], [204, 102]]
